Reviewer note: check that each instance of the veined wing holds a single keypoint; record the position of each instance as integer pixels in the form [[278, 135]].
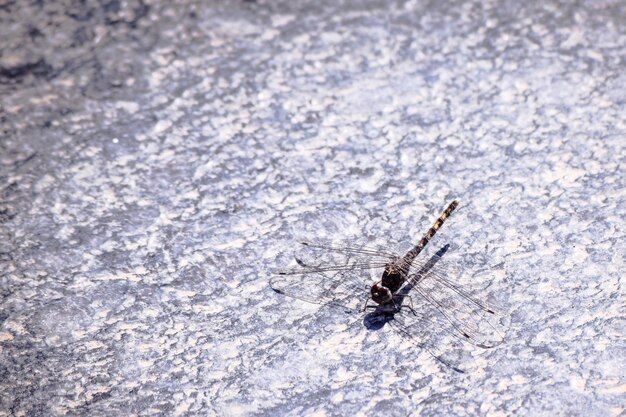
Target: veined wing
[[332, 273], [425, 333], [451, 304], [325, 256], [338, 289], [347, 247]]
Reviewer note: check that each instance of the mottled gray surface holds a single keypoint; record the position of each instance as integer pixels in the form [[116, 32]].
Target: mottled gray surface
[[157, 160]]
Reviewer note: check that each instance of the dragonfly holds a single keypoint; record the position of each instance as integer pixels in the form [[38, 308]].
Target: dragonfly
[[348, 276]]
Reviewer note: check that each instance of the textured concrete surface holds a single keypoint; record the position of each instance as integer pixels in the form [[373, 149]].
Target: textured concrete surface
[[157, 161]]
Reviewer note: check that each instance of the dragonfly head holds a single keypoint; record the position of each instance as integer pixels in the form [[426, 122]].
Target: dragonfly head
[[381, 294]]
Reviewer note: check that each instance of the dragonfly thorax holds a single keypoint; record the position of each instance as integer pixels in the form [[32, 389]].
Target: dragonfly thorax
[[393, 277]]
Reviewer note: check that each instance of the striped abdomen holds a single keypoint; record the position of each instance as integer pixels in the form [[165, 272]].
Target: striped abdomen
[[408, 258]]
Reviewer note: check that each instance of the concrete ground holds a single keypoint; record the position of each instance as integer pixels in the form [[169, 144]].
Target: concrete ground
[[160, 160]]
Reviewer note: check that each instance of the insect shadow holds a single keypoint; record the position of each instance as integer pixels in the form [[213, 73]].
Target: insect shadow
[[382, 315]]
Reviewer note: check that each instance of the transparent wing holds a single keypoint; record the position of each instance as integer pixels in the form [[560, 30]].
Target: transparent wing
[[347, 246], [334, 273], [334, 256], [427, 335], [449, 304], [335, 289]]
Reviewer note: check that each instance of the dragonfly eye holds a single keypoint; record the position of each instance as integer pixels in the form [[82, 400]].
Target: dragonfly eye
[[380, 294]]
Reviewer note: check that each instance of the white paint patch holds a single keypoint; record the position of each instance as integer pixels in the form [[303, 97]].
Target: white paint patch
[[578, 383], [233, 244], [546, 288], [337, 398], [372, 183], [128, 106], [181, 293], [6, 336], [575, 37], [578, 256], [282, 20], [161, 126]]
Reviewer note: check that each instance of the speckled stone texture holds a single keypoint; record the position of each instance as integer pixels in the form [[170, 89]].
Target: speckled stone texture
[[158, 161]]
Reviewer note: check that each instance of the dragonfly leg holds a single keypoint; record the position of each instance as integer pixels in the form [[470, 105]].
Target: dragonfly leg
[[410, 307], [366, 306]]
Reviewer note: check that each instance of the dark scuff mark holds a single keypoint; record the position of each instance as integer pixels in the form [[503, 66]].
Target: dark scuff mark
[[39, 69]]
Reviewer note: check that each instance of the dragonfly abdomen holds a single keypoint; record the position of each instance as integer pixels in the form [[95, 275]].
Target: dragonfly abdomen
[[408, 258]]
